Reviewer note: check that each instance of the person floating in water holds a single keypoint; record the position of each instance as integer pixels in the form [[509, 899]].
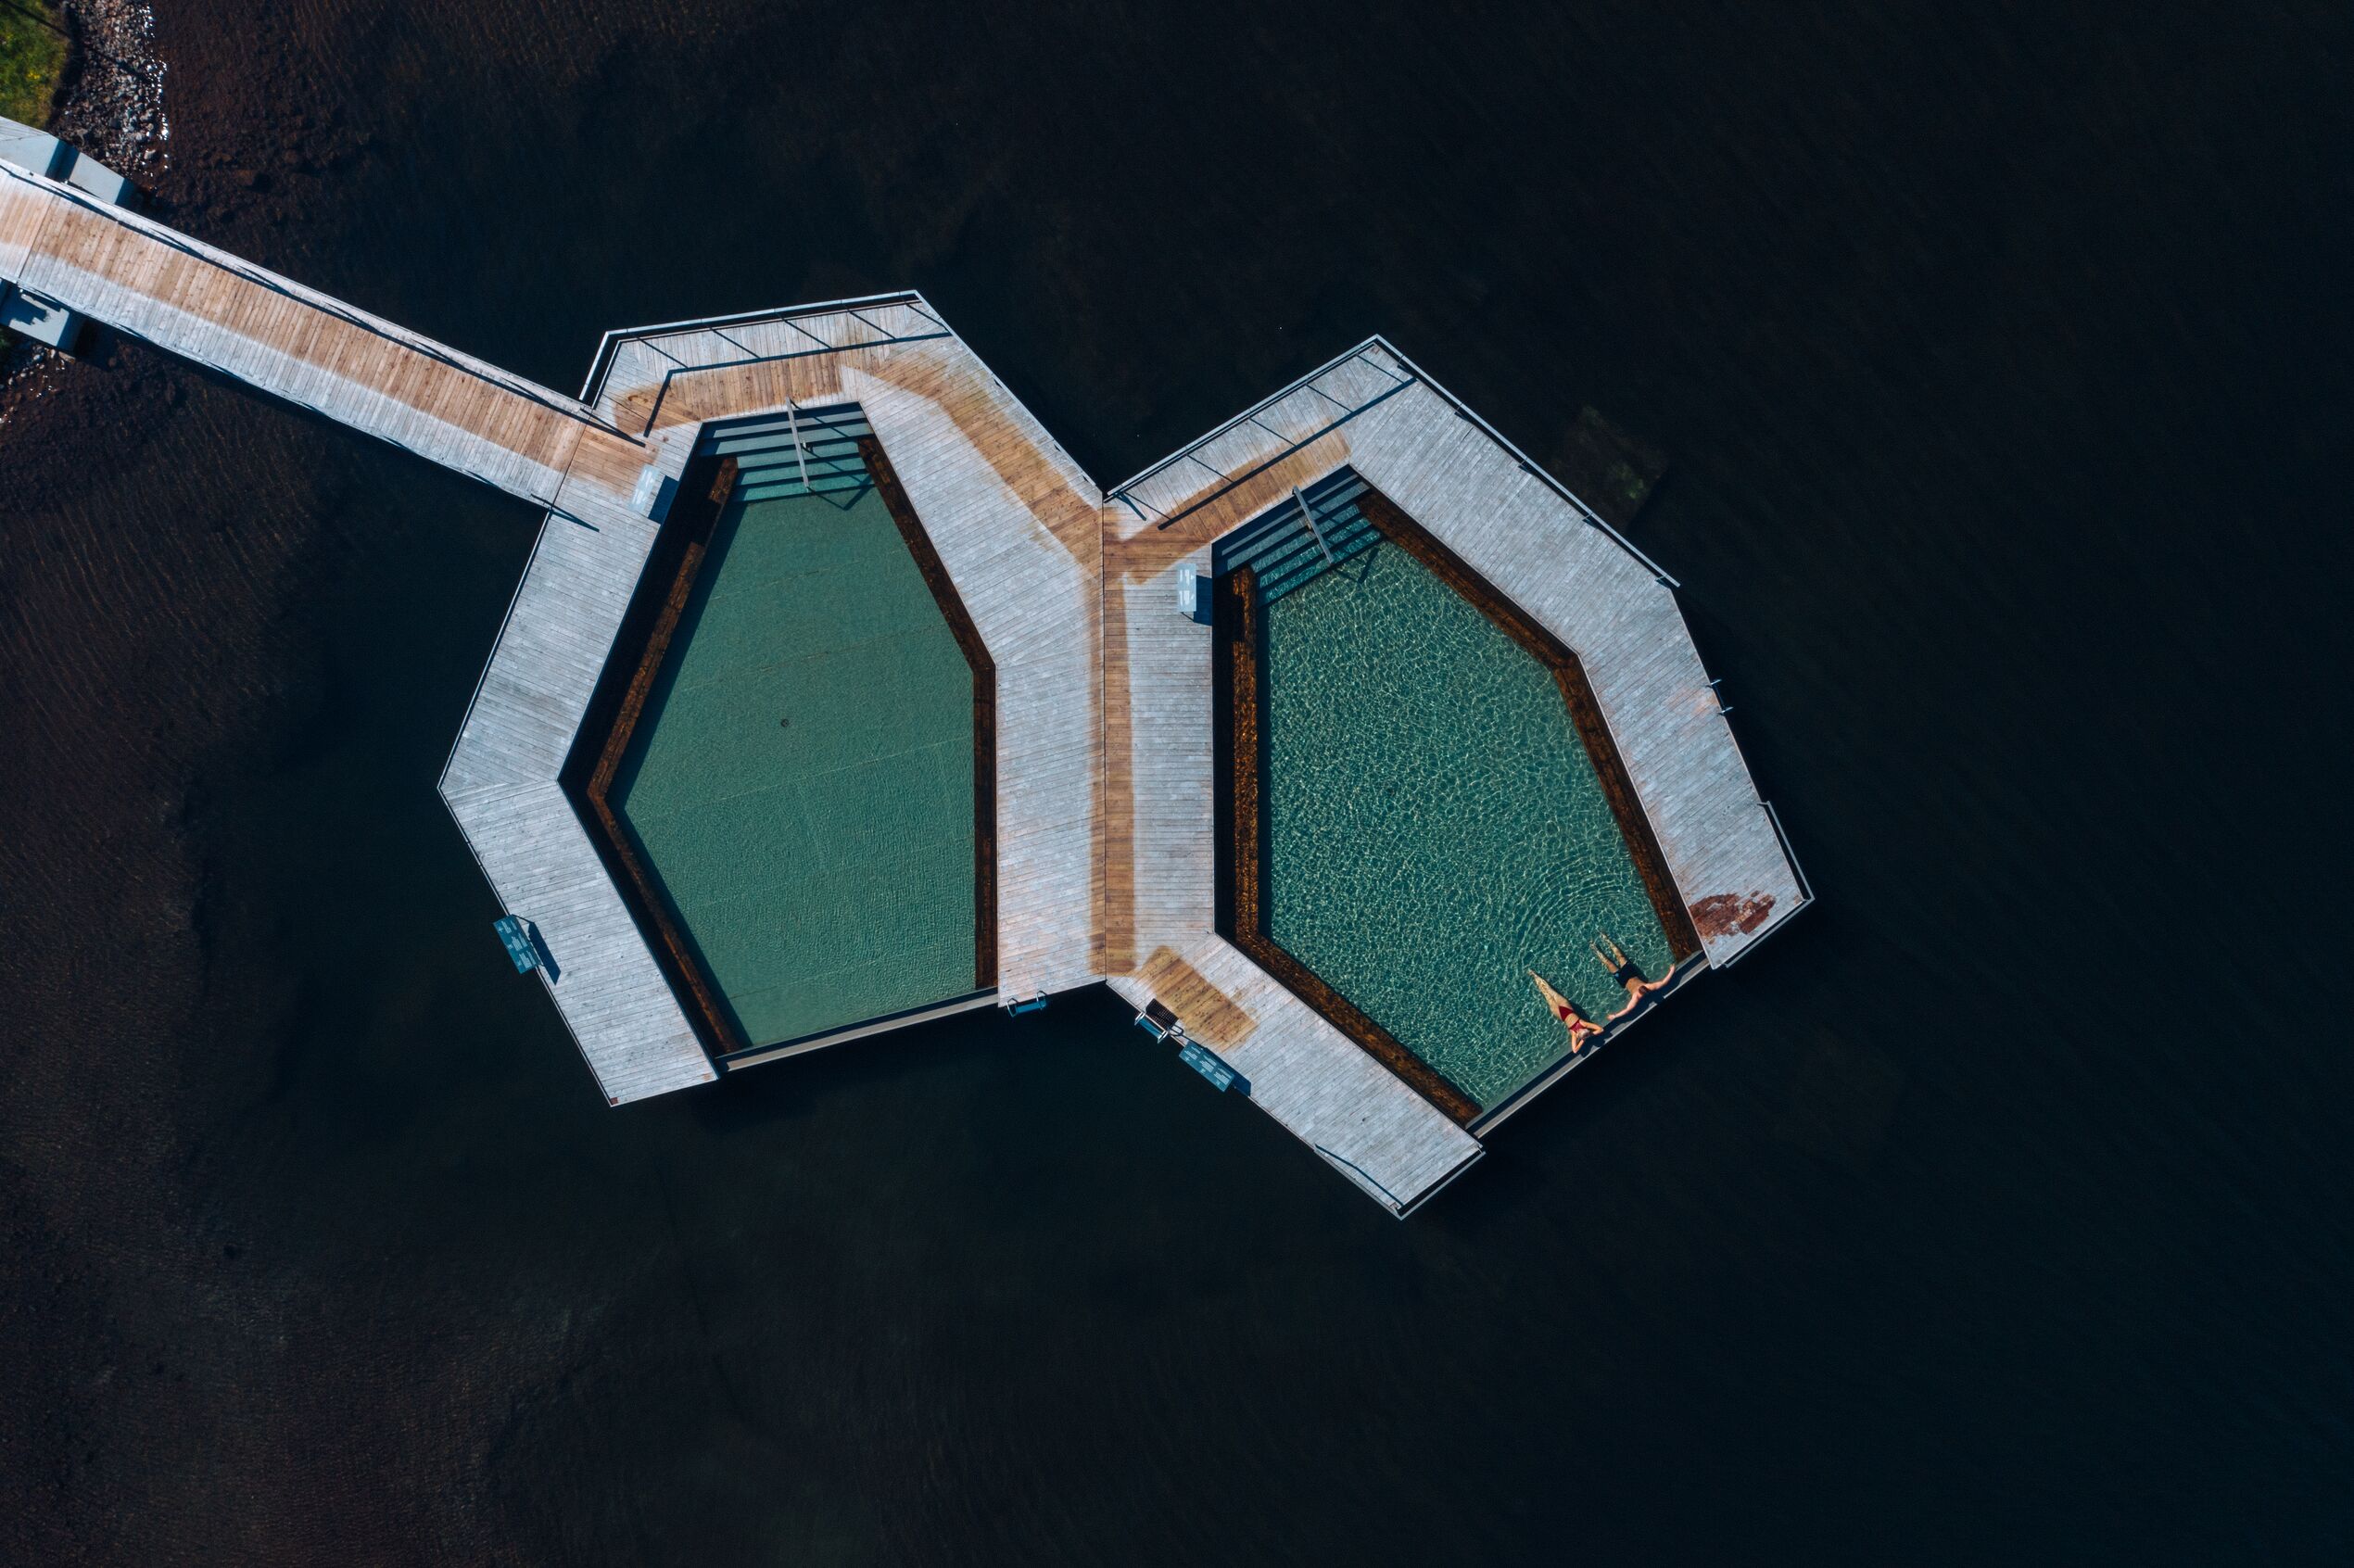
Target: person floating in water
[[1581, 1028], [1622, 969]]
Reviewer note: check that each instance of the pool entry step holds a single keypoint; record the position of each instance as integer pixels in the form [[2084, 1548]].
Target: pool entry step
[[1286, 554], [802, 452], [1005, 531]]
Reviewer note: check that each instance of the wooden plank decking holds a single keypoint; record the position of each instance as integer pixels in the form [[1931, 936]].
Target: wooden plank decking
[[1458, 481], [149, 282], [1016, 525], [500, 786], [1373, 411], [1103, 793]]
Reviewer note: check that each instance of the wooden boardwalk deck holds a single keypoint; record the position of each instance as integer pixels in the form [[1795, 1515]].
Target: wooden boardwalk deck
[[150, 282], [1104, 800], [1374, 411], [1016, 524], [500, 786]]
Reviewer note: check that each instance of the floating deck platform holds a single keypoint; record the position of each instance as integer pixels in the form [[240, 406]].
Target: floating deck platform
[[1100, 826]]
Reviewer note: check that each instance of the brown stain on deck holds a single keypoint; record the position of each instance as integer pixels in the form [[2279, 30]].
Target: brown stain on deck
[[1578, 694], [1724, 915], [1207, 1013]]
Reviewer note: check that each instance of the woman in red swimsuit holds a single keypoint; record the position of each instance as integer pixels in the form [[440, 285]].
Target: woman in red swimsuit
[[1581, 1028]]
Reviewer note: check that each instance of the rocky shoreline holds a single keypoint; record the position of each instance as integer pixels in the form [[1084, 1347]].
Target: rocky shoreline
[[111, 107]]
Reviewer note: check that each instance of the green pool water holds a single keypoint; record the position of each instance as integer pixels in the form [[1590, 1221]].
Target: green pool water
[[1435, 826], [800, 781]]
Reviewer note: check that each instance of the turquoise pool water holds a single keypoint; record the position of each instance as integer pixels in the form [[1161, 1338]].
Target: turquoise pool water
[[801, 783], [1435, 826]]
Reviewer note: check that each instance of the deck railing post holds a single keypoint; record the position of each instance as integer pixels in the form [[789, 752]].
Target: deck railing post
[[1314, 532], [800, 452]]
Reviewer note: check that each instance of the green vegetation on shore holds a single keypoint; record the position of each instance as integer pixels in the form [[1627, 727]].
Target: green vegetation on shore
[[31, 57]]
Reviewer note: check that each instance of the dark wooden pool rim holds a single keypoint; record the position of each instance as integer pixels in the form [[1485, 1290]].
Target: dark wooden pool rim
[[1239, 643], [1086, 712], [639, 653], [960, 623], [1642, 844]]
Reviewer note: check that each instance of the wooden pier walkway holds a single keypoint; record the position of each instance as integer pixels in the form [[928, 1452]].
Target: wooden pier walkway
[[1105, 839], [152, 282]]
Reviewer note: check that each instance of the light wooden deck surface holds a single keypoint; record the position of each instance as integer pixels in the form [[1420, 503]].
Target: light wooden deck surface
[[500, 786], [150, 282], [1104, 752], [1320, 1086], [620, 1009], [1019, 527], [1457, 481], [1372, 411]]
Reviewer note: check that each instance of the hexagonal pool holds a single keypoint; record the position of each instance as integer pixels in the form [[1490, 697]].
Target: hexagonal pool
[[1430, 824], [798, 791]]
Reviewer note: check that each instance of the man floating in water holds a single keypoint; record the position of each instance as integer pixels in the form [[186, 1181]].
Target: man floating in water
[[1622, 969], [1580, 1027]]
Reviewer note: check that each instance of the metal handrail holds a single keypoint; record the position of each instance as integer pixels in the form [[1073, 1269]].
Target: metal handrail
[[1235, 483], [1530, 467], [611, 343], [1394, 1201], [1250, 416], [1306, 382], [1302, 501], [325, 305], [655, 411]]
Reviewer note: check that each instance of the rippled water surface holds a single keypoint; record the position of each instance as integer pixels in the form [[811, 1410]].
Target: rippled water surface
[[1993, 1212], [1435, 827]]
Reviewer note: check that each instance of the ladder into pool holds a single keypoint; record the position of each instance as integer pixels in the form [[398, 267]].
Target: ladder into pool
[[799, 452], [1286, 552]]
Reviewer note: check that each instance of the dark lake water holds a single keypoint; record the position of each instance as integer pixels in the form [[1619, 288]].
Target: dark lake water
[[1996, 1211]]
